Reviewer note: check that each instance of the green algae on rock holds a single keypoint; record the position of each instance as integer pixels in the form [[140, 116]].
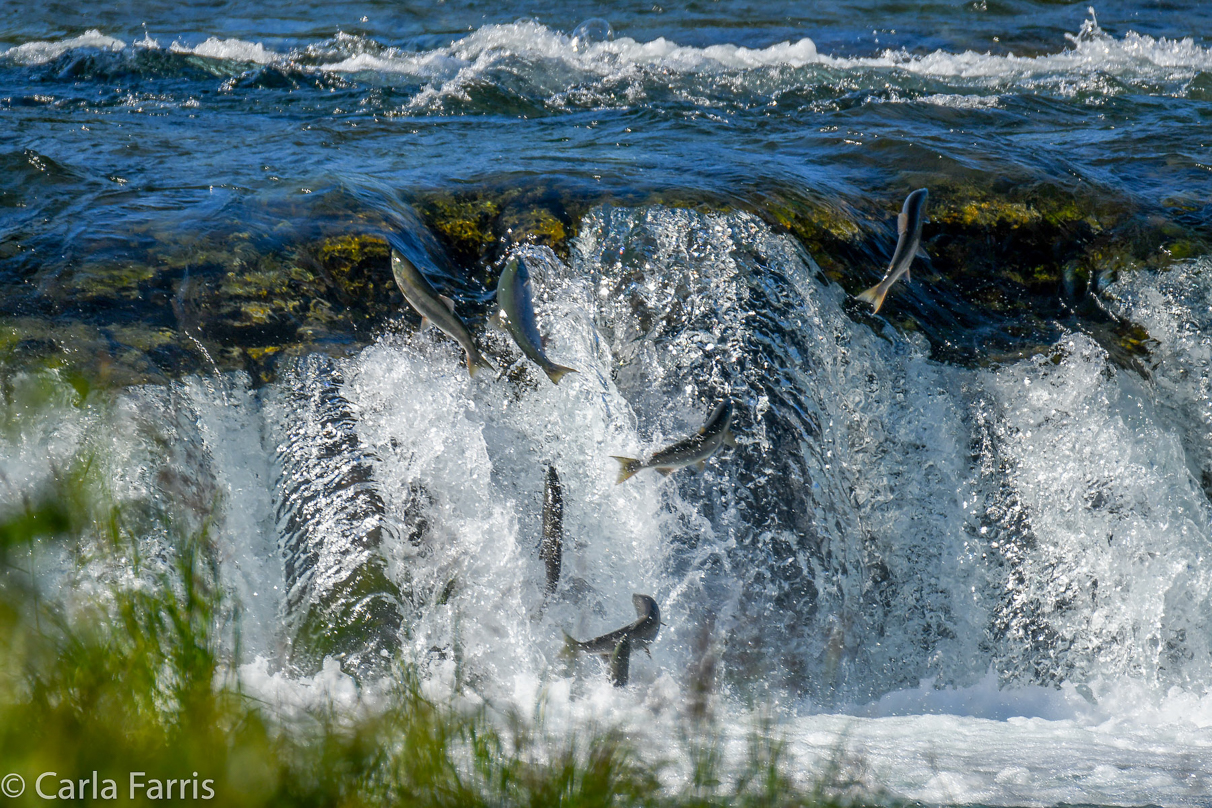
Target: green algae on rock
[[1008, 258], [477, 225]]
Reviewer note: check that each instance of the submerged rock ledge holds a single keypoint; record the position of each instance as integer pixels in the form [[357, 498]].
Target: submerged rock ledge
[[1009, 266]]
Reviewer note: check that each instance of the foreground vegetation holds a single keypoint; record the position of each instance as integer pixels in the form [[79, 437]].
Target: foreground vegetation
[[135, 677]]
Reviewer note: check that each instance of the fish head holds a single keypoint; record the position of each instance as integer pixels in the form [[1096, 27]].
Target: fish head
[[720, 418], [520, 268], [507, 275], [401, 268], [645, 606]]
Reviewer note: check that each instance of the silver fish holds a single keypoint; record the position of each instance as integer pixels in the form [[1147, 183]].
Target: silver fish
[[909, 237], [551, 549], [638, 634], [692, 451], [435, 309], [516, 315]]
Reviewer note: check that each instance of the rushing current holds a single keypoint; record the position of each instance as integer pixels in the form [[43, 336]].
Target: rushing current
[[963, 576]]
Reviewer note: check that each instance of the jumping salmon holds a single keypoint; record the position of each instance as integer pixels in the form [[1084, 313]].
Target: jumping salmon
[[516, 315], [692, 451], [435, 309], [551, 549], [909, 230]]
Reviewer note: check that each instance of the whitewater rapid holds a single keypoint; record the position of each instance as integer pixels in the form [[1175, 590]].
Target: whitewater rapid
[[532, 63], [959, 584]]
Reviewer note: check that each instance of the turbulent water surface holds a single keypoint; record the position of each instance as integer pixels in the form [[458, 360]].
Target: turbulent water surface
[[965, 566]]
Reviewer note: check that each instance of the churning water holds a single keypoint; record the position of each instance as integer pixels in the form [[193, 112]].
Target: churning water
[[981, 585]]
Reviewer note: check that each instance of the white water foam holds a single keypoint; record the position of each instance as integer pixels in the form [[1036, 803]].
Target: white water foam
[[232, 50], [478, 449], [1107, 557], [561, 70], [42, 432], [1077, 445], [987, 502], [36, 53], [1175, 308]]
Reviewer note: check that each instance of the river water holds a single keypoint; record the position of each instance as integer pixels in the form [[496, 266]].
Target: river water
[[966, 563]]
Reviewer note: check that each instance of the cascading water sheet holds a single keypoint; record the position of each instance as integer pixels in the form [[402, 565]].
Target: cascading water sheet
[[933, 571], [996, 560]]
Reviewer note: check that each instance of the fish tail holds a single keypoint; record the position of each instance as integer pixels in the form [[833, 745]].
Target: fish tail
[[476, 361], [620, 663], [874, 296], [628, 466], [557, 372], [571, 647]]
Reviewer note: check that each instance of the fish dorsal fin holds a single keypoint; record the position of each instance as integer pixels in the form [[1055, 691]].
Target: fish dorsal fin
[[908, 277], [902, 223], [921, 253], [497, 320], [449, 303], [425, 323]]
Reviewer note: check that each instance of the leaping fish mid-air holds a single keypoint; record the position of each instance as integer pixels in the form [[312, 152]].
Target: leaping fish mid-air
[[689, 452], [435, 309], [616, 646], [551, 548], [516, 315], [909, 237]]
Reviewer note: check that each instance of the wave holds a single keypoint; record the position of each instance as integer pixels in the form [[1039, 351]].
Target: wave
[[231, 50], [41, 52], [557, 70]]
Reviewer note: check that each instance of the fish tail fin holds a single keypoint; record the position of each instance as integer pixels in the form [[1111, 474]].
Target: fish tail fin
[[628, 466], [620, 663], [557, 372], [476, 362], [571, 647], [874, 296]]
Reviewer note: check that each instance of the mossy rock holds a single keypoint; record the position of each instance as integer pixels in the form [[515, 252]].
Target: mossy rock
[[1009, 258], [476, 227], [832, 232], [93, 356], [465, 223]]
